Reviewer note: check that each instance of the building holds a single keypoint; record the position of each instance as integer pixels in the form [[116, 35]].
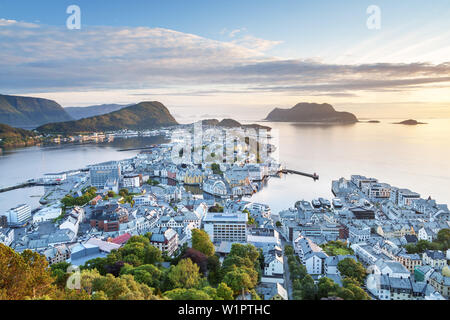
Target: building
[[273, 266], [230, 227], [6, 236], [101, 173], [361, 181], [132, 181], [57, 254], [435, 259], [52, 178], [410, 261], [19, 215], [47, 214], [441, 282], [315, 262], [406, 197], [392, 269], [166, 241]]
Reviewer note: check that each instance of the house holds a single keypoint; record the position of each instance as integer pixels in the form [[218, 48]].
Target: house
[[274, 266], [410, 261], [434, 258], [6, 236], [426, 234], [441, 281], [166, 241], [393, 269], [57, 254], [314, 262]]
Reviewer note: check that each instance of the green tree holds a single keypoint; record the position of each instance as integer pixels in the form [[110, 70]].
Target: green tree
[[184, 275], [352, 269], [326, 288], [187, 294], [224, 292], [308, 288], [202, 242]]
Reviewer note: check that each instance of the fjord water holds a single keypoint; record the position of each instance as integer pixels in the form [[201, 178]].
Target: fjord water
[[414, 157]]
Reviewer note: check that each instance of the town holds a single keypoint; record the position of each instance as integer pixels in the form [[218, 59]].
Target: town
[[370, 241]]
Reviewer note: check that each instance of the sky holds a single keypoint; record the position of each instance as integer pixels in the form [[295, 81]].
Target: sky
[[232, 58]]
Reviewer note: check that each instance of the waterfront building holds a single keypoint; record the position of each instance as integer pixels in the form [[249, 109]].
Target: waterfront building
[[101, 173], [132, 181], [19, 215]]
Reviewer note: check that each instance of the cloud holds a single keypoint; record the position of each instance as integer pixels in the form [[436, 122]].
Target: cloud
[[56, 59]]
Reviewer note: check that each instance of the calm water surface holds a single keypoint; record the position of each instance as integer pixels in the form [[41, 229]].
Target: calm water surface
[[415, 157]]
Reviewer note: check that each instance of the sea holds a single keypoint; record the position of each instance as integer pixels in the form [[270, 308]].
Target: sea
[[413, 157]]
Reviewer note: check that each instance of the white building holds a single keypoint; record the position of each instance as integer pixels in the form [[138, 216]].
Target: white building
[[144, 200], [274, 266], [54, 177], [6, 236], [132, 181], [231, 227], [314, 262], [47, 214], [18, 215]]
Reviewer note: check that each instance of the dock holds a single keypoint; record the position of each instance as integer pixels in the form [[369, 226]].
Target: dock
[[314, 176]]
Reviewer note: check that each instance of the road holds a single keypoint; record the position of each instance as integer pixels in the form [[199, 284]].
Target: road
[[287, 277]]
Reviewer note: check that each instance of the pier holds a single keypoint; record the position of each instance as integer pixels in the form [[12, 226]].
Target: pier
[[31, 183], [314, 176]]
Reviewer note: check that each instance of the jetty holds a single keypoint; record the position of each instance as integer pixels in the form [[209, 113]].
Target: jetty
[[314, 176]]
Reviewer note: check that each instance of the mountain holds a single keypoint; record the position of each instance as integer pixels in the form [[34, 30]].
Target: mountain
[[230, 123], [311, 112], [144, 115], [410, 122], [15, 137], [78, 113], [29, 112]]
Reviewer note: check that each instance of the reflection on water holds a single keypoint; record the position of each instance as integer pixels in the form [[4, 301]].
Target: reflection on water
[[414, 157], [19, 165]]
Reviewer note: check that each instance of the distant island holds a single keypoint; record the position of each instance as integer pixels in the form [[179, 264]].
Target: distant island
[[142, 116], [14, 137], [311, 112], [26, 112], [373, 121], [410, 122], [230, 123], [78, 113]]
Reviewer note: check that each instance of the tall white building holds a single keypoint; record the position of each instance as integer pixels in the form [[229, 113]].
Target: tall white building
[[19, 214], [231, 227]]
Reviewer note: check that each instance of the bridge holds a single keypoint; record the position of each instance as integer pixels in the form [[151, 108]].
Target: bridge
[[314, 176]]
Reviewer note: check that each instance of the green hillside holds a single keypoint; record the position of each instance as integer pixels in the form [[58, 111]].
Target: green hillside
[[145, 115]]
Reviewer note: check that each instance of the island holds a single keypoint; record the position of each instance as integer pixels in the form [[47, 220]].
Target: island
[[14, 137], [410, 122], [144, 115], [230, 123], [311, 112]]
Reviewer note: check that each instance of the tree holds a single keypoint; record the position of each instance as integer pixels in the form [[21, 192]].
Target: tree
[[187, 294], [308, 288], [216, 169], [352, 269], [147, 274], [239, 278], [215, 273], [288, 250], [224, 292], [326, 288], [24, 275], [184, 275], [278, 224], [60, 274], [202, 242]]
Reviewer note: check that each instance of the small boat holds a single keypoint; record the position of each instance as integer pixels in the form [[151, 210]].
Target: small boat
[[316, 203], [337, 203], [324, 203]]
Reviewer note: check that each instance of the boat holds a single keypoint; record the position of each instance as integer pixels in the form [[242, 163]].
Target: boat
[[337, 203], [316, 203], [324, 203]]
